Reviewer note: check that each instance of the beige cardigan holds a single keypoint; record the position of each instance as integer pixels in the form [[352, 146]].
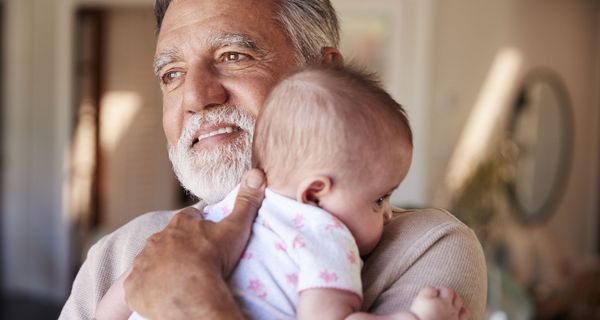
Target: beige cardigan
[[418, 248]]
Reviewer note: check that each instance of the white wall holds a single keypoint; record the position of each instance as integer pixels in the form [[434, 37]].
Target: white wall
[[403, 33], [136, 173], [37, 110], [467, 36], [564, 38], [35, 235], [559, 34]]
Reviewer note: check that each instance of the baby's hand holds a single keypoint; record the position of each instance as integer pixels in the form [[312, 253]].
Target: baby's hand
[[439, 304]]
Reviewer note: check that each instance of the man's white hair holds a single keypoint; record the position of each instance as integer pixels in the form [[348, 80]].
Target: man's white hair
[[310, 25]]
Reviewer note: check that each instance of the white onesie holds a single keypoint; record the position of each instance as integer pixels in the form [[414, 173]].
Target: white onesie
[[293, 247]]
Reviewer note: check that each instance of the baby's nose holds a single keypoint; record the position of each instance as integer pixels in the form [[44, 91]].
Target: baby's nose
[[387, 216]]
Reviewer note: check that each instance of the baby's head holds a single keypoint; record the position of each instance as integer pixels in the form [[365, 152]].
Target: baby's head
[[332, 137]]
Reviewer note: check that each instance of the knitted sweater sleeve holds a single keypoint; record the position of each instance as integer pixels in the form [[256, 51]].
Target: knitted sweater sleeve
[[424, 247], [107, 260]]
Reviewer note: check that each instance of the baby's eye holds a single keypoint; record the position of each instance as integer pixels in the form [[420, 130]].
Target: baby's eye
[[380, 201]]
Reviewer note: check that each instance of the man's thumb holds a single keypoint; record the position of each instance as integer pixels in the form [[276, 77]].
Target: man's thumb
[[249, 198]]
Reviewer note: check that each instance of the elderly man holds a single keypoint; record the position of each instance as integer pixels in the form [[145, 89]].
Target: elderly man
[[216, 61]]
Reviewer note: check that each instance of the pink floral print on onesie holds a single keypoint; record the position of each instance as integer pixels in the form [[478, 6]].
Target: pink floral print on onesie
[[257, 287], [328, 276]]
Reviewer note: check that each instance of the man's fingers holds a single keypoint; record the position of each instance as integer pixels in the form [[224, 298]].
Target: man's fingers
[[249, 198], [234, 230], [128, 284], [189, 250], [183, 217], [131, 285]]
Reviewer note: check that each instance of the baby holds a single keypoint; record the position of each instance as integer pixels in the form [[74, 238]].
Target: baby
[[333, 145]]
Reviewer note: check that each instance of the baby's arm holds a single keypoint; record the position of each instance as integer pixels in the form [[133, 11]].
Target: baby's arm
[[326, 304], [113, 305], [430, 304]]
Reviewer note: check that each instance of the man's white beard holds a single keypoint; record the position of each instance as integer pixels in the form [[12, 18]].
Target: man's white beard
[[210, 173]]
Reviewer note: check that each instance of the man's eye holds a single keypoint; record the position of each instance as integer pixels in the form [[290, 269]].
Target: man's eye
[[234, 57], [170, 76]]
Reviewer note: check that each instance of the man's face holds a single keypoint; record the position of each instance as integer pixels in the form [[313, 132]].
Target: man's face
[[216, 60]]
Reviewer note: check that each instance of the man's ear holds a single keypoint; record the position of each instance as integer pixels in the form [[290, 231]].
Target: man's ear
[[313, 188], [332, 56]]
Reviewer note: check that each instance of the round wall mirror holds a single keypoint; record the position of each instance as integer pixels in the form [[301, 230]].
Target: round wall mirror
[[540, 132]]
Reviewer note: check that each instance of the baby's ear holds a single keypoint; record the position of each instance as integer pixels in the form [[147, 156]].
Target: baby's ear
[[313, 188]]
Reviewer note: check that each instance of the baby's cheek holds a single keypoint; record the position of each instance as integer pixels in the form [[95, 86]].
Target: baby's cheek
[[371, 238]]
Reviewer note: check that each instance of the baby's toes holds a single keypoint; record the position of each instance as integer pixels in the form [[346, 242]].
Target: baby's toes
[[447, 294], [458, 301], [464, 314], [428, 292]]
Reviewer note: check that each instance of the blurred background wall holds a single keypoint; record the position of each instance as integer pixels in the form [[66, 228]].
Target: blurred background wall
[[561, 35], [83, 150]]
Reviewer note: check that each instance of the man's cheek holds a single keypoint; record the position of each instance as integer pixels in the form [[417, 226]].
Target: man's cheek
[[171, 126]]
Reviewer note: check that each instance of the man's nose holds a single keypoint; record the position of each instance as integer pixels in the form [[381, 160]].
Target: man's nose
[[203, 89]]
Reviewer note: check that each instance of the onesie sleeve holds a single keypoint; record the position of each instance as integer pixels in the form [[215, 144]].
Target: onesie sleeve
[[328, 256]]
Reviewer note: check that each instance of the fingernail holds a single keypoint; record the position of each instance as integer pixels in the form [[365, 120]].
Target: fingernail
[[254, 181]]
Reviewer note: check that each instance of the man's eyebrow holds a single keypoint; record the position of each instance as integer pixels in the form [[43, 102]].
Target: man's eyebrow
[[218, 41], [164, 58], [235, 39]]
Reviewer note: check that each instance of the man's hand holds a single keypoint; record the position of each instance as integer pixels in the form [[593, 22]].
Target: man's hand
[[180, 272]]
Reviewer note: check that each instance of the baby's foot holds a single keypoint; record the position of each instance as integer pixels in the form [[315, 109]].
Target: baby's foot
[[439, 304]]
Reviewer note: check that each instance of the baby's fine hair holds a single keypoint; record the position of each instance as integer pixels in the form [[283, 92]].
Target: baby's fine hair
[[327, 117]]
